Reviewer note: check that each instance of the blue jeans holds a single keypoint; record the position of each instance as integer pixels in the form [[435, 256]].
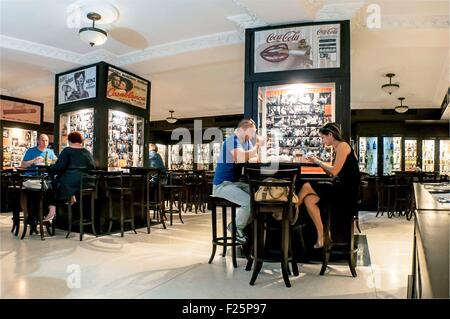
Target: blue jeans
[[237, 193]]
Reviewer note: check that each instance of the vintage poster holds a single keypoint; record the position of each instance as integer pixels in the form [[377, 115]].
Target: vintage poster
[[298, 48], [20, 112], [78, 85], [126, 88]]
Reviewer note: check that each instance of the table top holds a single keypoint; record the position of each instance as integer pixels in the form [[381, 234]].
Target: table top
[[432, 232], [425, 201]]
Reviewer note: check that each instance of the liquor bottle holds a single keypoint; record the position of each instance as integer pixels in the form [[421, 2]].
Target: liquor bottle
[[46, 158]]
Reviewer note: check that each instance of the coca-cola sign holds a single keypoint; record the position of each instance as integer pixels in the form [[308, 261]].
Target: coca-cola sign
[[328, 31], [126, 88], [286, 37], [297, 48]]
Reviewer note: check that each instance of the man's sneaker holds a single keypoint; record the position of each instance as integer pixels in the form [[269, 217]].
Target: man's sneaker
[[240, 237]]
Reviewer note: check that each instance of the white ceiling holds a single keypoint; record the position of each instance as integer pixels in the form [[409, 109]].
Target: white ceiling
[[193, 50]]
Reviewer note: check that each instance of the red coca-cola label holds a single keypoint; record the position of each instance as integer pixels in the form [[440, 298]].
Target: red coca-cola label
[[330, 31], [286, 37]]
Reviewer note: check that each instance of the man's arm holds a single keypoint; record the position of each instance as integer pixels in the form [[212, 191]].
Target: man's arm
[[27, 161]]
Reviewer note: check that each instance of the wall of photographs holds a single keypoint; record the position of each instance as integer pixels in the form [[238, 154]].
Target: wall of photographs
[[291, 116], [125, 140], [81, 121], [16, 141]]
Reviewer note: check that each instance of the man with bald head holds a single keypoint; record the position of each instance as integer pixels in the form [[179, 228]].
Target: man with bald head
[[35, 156]]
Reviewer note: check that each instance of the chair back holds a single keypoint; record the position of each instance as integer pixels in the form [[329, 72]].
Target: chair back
[[258, 177]]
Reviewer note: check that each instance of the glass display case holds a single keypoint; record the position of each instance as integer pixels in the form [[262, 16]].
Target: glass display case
[[16, 141], [162, 150], [125, 140], [444, 157], [428, 155], [203, 157], [392, 155], [368, 154], [81, 121], [175, 158], [410, 154], [188, 157], [290, 118]]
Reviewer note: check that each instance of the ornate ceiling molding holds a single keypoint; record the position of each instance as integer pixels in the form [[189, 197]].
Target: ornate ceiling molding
[[39, 49], [246, 20], [408, 21], [338, 11], [173, 48]]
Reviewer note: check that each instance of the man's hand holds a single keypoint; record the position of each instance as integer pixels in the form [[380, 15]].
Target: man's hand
[[38, 160], [260, 141]]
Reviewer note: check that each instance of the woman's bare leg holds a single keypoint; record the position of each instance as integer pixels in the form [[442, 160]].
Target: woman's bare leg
[[311, 201], [308, 196]]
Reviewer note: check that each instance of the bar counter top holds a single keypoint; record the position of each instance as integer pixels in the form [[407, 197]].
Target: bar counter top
[[431, 255]]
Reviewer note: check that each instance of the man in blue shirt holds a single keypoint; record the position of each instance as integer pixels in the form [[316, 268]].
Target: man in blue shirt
[[237, 148], [157, 162], [35, 156]]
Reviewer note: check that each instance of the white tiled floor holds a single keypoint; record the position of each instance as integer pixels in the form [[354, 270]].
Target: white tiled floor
[[173, 263]]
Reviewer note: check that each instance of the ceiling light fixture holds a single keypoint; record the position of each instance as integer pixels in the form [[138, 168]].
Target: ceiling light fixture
[[390, 87], [93, 35], [171, 119], [401, 108]]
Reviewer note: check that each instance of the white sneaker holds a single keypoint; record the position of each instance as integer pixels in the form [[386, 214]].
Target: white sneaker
[[240, 237]]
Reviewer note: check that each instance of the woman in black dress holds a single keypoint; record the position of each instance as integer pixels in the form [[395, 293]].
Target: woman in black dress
[[345, 173], [73, 162]]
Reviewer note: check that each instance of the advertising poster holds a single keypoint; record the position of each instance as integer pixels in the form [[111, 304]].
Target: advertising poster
[[297, 48], [78, 85], [20, 112], [126, 88]]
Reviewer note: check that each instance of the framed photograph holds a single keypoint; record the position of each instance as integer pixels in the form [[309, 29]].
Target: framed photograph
[[77, 85], [126, 88], [17, 110], [297, 48]]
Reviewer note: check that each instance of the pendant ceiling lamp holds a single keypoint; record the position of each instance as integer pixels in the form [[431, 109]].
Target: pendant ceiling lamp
[[390, 87], [93, 35], [171, 119], [401, 108]]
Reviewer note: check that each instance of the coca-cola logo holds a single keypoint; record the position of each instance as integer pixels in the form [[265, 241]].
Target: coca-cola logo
[[330, 31], [286, 37]]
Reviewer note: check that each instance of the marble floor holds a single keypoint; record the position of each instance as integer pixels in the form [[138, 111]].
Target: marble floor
[[173, 263]]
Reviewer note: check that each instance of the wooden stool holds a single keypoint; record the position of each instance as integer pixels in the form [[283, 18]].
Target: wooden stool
[[346, 247], [225, 240]]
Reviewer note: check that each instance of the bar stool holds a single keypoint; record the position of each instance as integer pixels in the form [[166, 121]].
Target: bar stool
[[13, 189], [224, 241], [346, 246], [84, 192], [261, 210], [39, 193], [176, 189], [154, 197], [115, 187]]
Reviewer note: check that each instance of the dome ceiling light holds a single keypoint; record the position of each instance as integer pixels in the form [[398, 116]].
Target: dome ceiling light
[[171, 119], [93, 35], [401, 108], [390, 87]]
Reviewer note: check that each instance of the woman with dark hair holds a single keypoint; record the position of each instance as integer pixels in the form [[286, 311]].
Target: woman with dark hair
[[72, 163], [345, 173]]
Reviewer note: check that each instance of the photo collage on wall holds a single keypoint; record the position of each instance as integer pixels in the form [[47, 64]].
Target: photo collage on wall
[[81, 121], [293, 118], [126, 140], [15, 143], [175, 158]]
